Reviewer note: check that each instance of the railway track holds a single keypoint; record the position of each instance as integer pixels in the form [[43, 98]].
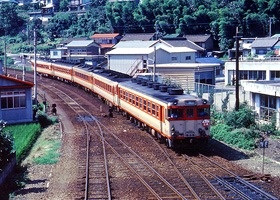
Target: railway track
[[150, 177], [228, 183], [95, 167], [155, 179]]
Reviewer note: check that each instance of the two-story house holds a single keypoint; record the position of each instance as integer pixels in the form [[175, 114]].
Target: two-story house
[[203, 40], [79, 51], [177, 63], [106, 41], [260, 47]]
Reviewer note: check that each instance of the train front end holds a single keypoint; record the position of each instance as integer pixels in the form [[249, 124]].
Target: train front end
[[188, 122]]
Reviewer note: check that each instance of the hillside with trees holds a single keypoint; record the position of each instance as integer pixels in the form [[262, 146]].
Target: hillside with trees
[[254, 18]]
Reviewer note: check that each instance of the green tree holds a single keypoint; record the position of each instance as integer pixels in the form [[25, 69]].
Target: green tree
[[6, 146], [10, 22], [63, 5], [121, 17], [59, 23]]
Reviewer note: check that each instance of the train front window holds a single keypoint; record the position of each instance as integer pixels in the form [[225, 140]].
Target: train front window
[[175, 113], [190, 112], [203, 112]]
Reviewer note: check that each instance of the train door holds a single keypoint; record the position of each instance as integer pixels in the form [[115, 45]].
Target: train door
[[190, 125]]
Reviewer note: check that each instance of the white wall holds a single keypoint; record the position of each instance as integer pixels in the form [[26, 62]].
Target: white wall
[[124, 63]]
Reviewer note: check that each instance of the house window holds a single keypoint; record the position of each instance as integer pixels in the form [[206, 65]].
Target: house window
[[188, 57], [261, 51], [13, 99], [174, 58], [55, 53]]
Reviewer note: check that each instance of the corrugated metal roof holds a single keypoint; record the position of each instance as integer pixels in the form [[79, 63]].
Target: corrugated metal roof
[[145, 51], [79, 43], [198, 38], [105, 35], [176, 49], [264, 42], [137, 36], [209, 60], [134, 44], [184, 43], [20, 83], [130, 51]]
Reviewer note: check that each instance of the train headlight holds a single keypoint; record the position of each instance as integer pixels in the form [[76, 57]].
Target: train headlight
[[204, 101], [175, 102], [172, 128]]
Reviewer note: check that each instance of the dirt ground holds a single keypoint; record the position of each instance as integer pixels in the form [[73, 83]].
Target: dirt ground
[[46, 180], [264, 160]]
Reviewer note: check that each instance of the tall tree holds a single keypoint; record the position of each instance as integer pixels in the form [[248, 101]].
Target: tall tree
[[10, 22], [121, 17]]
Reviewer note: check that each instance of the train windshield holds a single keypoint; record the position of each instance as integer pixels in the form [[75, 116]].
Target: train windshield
[[175, 113], [203, 112]]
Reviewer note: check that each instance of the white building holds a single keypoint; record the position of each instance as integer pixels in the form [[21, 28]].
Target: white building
[[264, 98], [252, 70], [131, 56], [176, 63]]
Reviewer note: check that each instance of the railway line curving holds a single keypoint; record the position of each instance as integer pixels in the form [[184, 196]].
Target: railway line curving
[[124, 182], [148, 175]]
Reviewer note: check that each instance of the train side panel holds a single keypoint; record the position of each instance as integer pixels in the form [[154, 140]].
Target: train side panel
[[64, 73], [145, 109], [106, 89], [83, 78], [43, 68]]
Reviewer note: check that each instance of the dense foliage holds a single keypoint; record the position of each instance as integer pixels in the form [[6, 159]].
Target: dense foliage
[[6, 146], [239, 128], [216, 17]]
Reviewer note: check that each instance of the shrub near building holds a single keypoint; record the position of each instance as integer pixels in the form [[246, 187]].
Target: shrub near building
[[238, 128]]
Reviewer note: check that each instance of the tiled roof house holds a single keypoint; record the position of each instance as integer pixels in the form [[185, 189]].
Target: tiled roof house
[[106, 41]]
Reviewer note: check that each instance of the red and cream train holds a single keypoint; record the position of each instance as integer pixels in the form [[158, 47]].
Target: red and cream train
[[165, 112]]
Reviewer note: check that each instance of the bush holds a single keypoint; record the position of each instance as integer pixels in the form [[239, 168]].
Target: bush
[[45, 120], [220, 131], [242, 138], [244, 117]]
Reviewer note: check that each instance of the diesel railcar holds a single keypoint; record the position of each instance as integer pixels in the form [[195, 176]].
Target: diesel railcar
[[164, 111]]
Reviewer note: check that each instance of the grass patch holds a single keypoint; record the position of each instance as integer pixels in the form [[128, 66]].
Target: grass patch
[[24, 136], [46, 149]]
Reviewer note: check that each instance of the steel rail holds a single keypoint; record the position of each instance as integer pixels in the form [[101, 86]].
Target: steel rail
[[185, 181], [144, 162], [88, 142], [269, 196]]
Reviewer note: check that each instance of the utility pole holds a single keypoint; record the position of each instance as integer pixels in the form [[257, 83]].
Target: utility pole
[[270, 21], [237, 37], [154, 70], [35, 68], [5, 56]]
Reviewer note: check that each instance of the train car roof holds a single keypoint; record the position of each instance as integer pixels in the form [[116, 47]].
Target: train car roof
[[126, 81], [150, 91]]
